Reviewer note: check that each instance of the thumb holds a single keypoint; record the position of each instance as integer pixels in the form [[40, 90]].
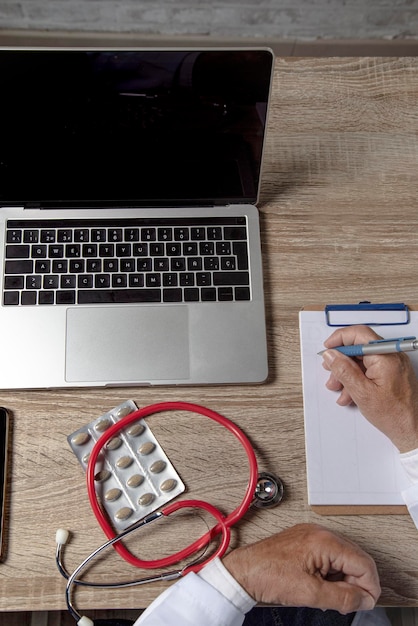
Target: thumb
[[347, 372], [344, 597]]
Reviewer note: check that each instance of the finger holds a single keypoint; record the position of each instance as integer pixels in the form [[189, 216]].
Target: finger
[[343, 597], [344, 398], [333, 384], [345, 369], [351, 335]]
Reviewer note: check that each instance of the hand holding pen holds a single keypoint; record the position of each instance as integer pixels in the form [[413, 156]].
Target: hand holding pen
[[384, 388], [379, 346]]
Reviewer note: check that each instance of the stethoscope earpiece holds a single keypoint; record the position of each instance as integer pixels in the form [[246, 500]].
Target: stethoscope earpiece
[[269, 491]]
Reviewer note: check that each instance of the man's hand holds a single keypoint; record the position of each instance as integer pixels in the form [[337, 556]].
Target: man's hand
[[384, 387], [309, 566]]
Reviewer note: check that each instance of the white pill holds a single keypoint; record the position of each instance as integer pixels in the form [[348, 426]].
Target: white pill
[[114, 443], [136, 429], [146, 448], [113, 494], [135, 480], [102, 424], [124, 461], [157, 467], [146, 499], [123, 513], [101, 476], [123, 411], [168, 485], [80, 439]]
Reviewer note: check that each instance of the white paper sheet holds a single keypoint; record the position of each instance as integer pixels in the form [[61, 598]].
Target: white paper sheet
[[349, 462]]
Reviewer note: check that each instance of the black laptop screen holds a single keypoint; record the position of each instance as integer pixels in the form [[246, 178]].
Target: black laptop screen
[[87, 127]]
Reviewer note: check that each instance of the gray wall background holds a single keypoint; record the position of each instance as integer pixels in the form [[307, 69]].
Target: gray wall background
[[279, 19]]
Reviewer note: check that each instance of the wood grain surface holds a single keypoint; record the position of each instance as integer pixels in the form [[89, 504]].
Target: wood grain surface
[[339, 221]]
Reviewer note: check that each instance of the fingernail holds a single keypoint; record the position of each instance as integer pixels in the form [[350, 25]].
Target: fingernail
[[329, 356]]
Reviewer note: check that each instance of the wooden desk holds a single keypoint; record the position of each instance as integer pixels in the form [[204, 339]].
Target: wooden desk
[[339, 215]]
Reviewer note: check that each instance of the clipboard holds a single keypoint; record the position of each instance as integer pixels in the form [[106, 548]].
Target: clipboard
[[352, 468]]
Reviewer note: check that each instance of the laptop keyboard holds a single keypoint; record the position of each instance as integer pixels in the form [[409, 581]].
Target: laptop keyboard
[[142, 260]]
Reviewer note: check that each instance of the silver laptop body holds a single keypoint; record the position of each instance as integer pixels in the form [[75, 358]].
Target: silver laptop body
[[129, 233]]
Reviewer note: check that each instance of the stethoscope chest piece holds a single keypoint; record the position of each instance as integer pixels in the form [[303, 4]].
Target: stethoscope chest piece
[[269, 491]]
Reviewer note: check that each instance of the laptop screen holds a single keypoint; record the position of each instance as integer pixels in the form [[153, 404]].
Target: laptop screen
[[90, 127]]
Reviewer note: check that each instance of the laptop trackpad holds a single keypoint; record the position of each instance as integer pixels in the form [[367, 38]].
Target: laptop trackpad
[[127, 344]]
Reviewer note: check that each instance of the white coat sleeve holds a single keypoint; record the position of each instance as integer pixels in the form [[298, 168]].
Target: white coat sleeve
[[409, 462], [211, 598]]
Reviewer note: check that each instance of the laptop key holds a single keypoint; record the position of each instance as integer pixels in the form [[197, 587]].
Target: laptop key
[[56, 251], [101, 281], [235, 232], [225, 294], [198, 233], [124, 296], [11, 297], [28, 298], [50, 282], [81, 234], [153, 280], [39, 252], [14, 236], [208, 294], [172, 295], [231, 278], [211, 263], [170, 279], [65, 235], [60, 267], [13, 282], [203, 279], [42, 267], [148, 234], [48, 236], [17, 251], [98, 234], [131, 234], [191, 294], [165, 234], [46, 297], [215, 232], [242, 293], [181, 234], [33, 282], [66, 297], [136, 280], [85, 280], [73, 250], [19, 267], [240, 251], [29, 236]]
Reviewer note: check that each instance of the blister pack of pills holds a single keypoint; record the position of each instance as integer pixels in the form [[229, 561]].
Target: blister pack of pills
[[133, 475]]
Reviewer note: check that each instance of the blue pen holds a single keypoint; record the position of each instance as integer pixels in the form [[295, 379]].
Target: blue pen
[[380, 346]]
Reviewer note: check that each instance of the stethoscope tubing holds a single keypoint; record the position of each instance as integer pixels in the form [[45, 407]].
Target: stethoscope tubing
[[172, 575]]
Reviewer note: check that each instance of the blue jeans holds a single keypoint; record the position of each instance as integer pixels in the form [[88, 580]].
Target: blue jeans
[[290, 616]]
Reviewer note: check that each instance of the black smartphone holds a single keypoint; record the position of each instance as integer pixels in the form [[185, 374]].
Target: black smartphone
[[4, 445]]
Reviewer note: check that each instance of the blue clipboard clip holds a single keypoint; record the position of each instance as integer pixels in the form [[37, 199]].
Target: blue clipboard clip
[[385, 314]]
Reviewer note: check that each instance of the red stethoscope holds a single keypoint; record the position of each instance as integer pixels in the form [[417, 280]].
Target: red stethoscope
[[263, 490]]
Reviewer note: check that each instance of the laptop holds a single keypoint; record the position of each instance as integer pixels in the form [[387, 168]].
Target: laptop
[[129, 233]]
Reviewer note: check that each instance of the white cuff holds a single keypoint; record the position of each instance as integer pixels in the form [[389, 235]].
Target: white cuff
[[409, 461], [216, 575]]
